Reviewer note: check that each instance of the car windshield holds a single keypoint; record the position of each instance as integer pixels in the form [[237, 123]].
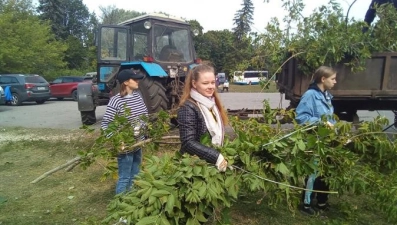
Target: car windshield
[[172, 44], [35, 79]]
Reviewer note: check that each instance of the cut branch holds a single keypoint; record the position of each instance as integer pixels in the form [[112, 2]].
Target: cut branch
[[46, 174], [74, 162]]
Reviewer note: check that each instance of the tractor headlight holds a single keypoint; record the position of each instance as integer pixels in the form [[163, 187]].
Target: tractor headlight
[[147, 25]]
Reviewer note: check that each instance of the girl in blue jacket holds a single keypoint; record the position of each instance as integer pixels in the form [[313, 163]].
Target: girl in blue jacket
[[314, 104]]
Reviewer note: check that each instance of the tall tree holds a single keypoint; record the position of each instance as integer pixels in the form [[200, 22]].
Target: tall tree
[[52, 11], [68, 17], [243, 19], [72, 23], [113, 15]]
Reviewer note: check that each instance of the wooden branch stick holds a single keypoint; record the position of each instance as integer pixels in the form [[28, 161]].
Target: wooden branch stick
[[46, 174], [74, 162], [168, 142], [72, 166], [150, 140]]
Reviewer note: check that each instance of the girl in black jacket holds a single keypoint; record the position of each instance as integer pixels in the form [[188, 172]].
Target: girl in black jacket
[[201, 112]]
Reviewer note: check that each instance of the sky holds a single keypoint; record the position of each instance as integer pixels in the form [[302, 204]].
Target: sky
[[219, 14]]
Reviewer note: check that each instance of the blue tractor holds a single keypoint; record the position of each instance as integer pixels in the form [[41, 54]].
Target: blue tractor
[[156, 45]]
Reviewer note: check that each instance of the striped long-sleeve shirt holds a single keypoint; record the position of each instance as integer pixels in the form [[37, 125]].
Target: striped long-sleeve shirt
[[116, 104]]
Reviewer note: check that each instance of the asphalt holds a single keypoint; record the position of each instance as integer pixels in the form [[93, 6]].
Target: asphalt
[[64, 114]]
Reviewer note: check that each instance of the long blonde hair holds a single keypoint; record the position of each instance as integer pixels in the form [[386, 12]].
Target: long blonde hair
[[322, 71], [194, 75]]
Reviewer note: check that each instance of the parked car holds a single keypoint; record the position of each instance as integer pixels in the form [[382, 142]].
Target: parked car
[[26, 88], [2, 96], [66, 87]]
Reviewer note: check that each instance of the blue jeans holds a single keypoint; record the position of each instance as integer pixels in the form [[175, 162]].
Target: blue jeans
[[128, 167]]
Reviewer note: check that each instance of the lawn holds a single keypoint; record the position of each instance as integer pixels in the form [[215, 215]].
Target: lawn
[[80, 197]]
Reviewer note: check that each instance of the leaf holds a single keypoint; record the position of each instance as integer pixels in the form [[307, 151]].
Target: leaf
[[169, 207], [229, 181], [160, 193], [147, 220], [282, 168], [142, 183], [146, 195], [200, 216], [164, 220], [202, 192], [197, 170], [301, 145], [192, 221], [231, 151]]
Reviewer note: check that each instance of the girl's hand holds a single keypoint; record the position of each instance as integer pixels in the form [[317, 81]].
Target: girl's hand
[[221, 163]]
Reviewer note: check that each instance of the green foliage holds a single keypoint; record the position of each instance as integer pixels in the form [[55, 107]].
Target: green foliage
[[182, 189], [27, 45], [174, 190], [216, 46], [326, 37], [76, 53]]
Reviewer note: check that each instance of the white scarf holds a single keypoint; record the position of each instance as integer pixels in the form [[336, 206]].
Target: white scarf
[[215, 127]]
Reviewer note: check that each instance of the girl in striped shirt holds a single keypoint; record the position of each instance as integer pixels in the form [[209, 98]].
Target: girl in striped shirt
[[129, 161]]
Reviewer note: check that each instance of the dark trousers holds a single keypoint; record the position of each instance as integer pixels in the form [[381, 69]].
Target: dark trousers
[[319, 185]]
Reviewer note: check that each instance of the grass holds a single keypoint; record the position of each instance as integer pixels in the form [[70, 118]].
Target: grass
[[79, 196]]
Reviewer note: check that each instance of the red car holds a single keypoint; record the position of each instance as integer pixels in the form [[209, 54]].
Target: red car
[[66, 87]]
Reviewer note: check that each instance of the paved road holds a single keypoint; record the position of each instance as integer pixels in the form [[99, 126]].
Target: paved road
[[64, 114]]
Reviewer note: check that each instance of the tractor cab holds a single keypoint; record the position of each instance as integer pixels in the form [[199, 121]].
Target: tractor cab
[[159, 46]]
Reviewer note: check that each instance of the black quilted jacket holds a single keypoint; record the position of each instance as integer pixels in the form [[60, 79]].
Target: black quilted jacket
[[191, 128]]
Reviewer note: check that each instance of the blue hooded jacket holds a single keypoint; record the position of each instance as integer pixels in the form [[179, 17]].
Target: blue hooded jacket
[[313, 105]]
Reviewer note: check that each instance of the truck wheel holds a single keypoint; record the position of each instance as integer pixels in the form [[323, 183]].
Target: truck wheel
[[88, 117], [153, 93]]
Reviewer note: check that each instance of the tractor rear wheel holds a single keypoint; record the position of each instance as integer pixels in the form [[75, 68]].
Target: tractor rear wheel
[[154, 94]]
